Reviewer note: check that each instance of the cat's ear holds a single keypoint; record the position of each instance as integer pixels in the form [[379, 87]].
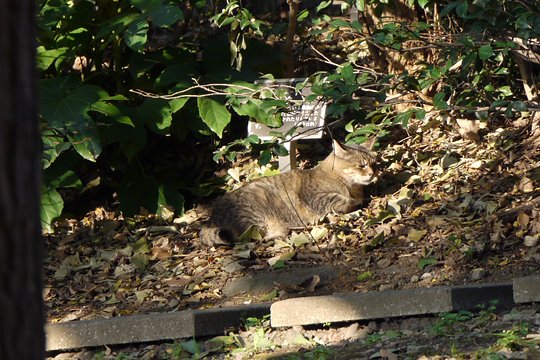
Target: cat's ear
[[338, 149]]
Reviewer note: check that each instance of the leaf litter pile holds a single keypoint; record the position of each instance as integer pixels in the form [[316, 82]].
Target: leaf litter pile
[[450, 207]]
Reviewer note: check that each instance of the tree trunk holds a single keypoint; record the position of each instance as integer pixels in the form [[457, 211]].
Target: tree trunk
[[393, 61], [21, 307]]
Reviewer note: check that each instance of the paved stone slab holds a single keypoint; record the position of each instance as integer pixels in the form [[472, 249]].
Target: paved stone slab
[[119, 330], [469, 297], [265, 282], [360, 306], [527, 289], [384, 304], [149, 327]]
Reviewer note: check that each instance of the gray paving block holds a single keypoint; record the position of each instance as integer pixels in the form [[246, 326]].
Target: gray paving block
[[119, 330], [527, 289], [360, 306], [470, 297], [266, 281], [149, 327]]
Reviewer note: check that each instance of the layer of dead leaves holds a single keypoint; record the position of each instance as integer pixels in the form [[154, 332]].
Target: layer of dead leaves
[[450, 208]]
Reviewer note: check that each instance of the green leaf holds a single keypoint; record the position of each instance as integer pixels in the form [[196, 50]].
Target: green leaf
[[68, 179], [64, 100], [214, 114], [84, 137], [45, 58], [303, 15], [51, 207], [347, 71], [448, 8], [485, 52], [423, 3], [192, 347], [169, 197], [364, 276], [361, 5], [439, 101], [156, 113], [165, 15], [177, 73], [111, 111], [462, 9], [505, 90], [422, 263], [53, 146], [177, 104], [323, 5], [136, 34]]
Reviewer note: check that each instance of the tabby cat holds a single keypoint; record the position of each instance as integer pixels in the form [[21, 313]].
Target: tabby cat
[[294, 199]]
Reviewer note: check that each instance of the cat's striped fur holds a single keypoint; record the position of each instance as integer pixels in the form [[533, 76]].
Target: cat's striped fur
[[293, 199]]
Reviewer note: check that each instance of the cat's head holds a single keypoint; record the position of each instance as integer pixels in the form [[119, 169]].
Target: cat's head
[[355, 163]]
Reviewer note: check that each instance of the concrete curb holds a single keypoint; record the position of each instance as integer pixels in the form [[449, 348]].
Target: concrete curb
[[527, 289], [384, 304], [296, 311], [148, 327]]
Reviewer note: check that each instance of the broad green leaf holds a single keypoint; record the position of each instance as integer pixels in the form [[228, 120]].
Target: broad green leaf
[[141, 246], [192, 347], [347, 71], [448, 8], [67, 179], [254, 110], [111, 111], [323, 5], [117, 24], [439, 101], [157, 113], [51, 207], [340, 23], [422, 263], [423, 3], [45, 58], [53, 145], [505, 90], [364, 276], [361, 5], [214, 114], [303, 15], [165, 15], [177, 73], [462, 9], [63, 100], [169, 198], [136, 34], [177, 104], [84, 137], [485, 52]]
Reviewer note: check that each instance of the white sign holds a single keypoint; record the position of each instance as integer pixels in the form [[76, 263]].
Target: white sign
[[306, 117]]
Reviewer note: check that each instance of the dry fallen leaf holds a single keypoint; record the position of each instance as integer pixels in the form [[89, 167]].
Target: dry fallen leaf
[[468, 129]]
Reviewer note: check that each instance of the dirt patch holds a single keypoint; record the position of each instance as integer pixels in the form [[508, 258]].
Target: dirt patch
[[446, 211]]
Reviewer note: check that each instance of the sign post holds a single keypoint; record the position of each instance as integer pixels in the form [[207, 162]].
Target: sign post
[[306, 117]]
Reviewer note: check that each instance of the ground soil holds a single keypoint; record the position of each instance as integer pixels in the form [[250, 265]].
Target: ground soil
[[447, 210]]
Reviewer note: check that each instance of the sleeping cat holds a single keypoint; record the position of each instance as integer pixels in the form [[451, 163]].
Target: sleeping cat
[[294, 199]]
